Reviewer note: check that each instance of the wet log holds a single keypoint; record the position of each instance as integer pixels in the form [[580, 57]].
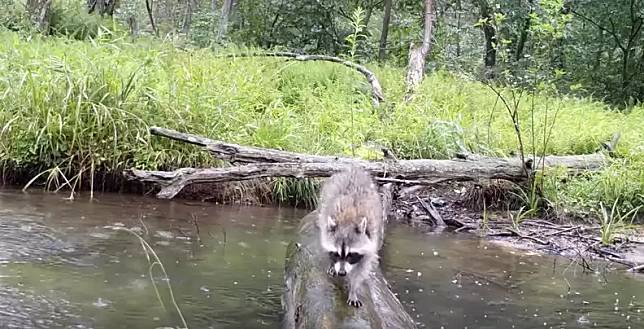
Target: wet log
[[312, 299], [377, 96], [426, 170]]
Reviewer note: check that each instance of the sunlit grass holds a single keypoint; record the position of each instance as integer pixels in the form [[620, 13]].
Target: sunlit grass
[[73, 109]]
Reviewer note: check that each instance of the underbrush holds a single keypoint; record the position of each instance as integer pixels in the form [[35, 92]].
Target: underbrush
[[76, 108]]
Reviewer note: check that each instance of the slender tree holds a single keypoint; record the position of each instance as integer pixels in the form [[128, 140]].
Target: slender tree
[[489, 32], [226, 10], [418, 52], [382, 52]]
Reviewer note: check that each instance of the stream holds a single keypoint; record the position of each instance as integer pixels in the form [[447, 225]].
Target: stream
[[73, 264]]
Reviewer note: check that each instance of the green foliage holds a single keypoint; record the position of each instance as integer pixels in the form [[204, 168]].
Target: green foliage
[[75, 110], [614, 223], [70, 19], [14, 17], [354, 38]]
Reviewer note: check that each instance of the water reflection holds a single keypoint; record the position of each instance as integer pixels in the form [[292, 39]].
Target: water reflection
[[63, 265]]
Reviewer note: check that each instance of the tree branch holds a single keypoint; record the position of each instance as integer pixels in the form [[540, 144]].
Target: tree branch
[[376, 89]]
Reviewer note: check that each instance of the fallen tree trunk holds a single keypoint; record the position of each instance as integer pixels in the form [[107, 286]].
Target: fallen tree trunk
[[377, 94], [235, 153], [262, 163], [411, 171], [312, 299]]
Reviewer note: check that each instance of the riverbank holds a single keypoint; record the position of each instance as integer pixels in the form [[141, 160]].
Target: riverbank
[[75, 114], [582, 241]]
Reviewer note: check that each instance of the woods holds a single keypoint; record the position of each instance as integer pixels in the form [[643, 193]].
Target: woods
[[571, 45]]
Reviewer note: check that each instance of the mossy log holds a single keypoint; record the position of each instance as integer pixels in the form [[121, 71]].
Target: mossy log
[[313, 299]]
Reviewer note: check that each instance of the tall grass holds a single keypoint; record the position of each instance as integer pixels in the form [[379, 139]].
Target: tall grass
[[85, 107]]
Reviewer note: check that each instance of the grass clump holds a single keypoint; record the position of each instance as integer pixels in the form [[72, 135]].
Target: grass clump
[[614, 223], [84, 108]]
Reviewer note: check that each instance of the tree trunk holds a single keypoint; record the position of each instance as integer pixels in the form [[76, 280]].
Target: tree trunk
[[226, 10], [523, 36], [187, 20], [490, 38], [418, 53], [133, 25], [382, 52], [148, 7], [40, 13], [312, 299], [459, 8]]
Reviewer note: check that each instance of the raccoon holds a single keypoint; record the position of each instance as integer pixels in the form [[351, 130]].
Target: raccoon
[[351, 227]]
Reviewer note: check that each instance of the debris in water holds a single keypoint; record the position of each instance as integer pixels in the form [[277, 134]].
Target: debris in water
[[100, 303], [99, 235], [164, 234]]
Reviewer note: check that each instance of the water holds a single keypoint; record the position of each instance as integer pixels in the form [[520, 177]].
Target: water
[[63, 265]]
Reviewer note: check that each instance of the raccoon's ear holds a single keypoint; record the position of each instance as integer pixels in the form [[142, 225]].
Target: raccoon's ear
[[331, 223], [363, 225]]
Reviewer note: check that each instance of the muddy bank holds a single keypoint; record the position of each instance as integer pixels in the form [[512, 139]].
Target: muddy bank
[[460, 206]]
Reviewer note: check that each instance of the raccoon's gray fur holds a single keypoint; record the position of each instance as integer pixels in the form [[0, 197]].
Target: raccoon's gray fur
[[351, 227]]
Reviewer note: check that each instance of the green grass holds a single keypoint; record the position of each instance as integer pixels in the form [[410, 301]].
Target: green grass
[[614, 223], [84, 107]]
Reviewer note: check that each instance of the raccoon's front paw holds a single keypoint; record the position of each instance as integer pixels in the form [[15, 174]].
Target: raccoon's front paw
[[331, 271], [354, 301]]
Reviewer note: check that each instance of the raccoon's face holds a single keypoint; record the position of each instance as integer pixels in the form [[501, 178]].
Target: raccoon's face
[[346, 245], [344, 262]]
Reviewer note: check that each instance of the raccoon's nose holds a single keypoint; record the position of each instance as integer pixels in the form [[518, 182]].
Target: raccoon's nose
[[342, 272]]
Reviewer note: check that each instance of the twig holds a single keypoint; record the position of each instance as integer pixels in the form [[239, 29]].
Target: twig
[[196, 224], [432, 212], [464, 227], [638, 268], [157, 261], [563, 231], [522, 236], [603, 251]]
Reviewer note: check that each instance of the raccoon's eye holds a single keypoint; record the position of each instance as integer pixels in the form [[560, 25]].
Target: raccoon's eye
[[354, 257], [334, 255]]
